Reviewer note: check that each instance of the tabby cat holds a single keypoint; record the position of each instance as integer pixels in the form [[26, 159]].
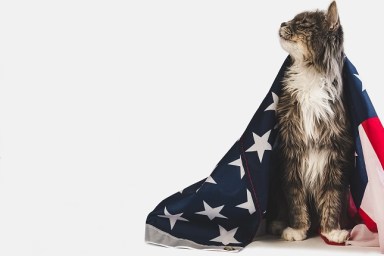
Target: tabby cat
[[314, 140]]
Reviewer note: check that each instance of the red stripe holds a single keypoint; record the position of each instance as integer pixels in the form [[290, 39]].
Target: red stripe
[[375, 132], [371, 225]]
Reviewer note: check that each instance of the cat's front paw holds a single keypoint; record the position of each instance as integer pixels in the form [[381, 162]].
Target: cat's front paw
[[291, 234], [337, 235]]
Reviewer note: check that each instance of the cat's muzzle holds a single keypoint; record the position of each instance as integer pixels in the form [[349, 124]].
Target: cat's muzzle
[[285, 32]]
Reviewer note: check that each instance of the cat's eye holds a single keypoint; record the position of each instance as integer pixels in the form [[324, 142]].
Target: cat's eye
[[305, 25]]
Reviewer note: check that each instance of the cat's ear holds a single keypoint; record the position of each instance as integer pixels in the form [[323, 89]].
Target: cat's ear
[[333, 17]]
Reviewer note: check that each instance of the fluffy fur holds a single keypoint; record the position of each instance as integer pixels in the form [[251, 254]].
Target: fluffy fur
[[314, 140]]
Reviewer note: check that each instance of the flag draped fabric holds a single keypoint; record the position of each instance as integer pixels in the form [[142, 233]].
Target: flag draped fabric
[[225, 210]]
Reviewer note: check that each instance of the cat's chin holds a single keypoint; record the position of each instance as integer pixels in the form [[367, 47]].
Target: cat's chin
[[286, 44], [294, 49]]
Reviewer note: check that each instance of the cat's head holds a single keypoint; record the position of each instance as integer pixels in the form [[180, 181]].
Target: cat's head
[[314, 38]]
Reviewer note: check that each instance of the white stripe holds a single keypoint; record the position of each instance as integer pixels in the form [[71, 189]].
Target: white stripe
[[373, 203]]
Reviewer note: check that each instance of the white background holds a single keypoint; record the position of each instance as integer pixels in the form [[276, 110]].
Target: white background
[[108, 107]]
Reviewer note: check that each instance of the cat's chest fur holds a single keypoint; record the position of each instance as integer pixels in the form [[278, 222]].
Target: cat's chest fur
[[314, 95]]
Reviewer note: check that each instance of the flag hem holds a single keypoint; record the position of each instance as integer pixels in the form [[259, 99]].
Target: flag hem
[[156, 236]]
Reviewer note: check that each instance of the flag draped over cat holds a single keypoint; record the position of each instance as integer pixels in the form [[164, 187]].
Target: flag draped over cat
[[225, 210]]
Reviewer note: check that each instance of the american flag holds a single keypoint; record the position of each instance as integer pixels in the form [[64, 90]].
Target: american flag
[[228, 208]]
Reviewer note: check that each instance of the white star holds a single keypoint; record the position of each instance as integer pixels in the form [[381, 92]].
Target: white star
[[226, 237], [210, 180], [172, 217], [207, 180], [239, 163], [248, 205], [362, 85], [212, 213], [261, 145], [274, 104]]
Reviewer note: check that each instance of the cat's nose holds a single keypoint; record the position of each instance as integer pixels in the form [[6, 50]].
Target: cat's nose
[[283, 24]]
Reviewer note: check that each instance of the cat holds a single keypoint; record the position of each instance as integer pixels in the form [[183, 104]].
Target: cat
[[315, 143]]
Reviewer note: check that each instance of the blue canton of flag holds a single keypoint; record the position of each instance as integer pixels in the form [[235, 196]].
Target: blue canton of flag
[[227, 209]]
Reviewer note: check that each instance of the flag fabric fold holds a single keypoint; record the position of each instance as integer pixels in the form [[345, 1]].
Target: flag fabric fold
[[228, 208]]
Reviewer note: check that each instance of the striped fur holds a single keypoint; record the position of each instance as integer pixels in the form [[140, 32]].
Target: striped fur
[[315, 143]]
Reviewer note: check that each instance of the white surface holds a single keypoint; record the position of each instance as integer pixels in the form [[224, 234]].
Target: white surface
[[104, 103]]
